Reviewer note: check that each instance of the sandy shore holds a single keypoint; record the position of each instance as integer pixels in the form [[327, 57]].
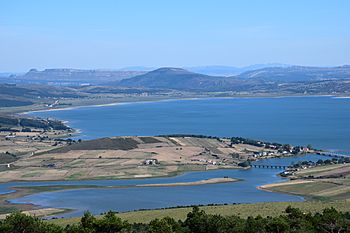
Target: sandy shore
[[200, 182], [113, 104], [291, 182]]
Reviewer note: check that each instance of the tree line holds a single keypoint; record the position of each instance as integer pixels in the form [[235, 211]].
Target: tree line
[[197, 221]]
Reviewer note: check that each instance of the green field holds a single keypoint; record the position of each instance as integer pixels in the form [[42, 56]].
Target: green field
[[243, 210]]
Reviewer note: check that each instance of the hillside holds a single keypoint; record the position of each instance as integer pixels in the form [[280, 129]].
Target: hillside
[[164, 82], [274, 80], [297, 74], [177, 78], [230, 70], [23, 95], [71, 76]]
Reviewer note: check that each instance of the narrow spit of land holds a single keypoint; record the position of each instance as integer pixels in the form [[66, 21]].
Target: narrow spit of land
[[200, 182]]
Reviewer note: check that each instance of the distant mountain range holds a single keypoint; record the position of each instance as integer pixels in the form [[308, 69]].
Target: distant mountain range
[[230, 70], [176, 78], [298, 74], [212, 70], [255, 78], [70, 77], [291, 78], [77, 77], [297, 80]]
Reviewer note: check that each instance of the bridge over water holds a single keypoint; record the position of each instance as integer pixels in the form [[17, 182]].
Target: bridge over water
[[269, 166]]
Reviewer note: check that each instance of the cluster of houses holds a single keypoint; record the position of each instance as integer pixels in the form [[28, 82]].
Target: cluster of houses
[[208, 162], [309, 164], [258, 154], [297, 167], [293, 150]]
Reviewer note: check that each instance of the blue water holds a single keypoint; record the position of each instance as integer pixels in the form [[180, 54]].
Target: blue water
[[98, 200], [322, 122]]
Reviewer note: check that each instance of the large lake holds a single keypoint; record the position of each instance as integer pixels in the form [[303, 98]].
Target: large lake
[[320, 121], [323, 122]]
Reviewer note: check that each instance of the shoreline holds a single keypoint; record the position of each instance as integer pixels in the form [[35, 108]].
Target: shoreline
[[269, 188], [108, 104], [288, 182], [175, 99], [77, 132], [170, 175], [22, 191]]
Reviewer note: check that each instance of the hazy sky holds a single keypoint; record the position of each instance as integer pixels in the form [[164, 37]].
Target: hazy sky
[[112, 34]]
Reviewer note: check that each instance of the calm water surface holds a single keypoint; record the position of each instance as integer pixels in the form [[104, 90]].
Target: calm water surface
[[320, 121]]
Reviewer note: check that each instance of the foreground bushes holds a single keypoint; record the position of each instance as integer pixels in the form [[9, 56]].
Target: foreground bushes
[[197, 221]]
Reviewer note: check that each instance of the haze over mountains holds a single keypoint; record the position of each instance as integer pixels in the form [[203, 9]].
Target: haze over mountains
[[19, 90], [177, 78], [230, 70], [70, 77], [298, 74], [214, 70], [182, 79], [262, 72], [76, 77], [271, 77]]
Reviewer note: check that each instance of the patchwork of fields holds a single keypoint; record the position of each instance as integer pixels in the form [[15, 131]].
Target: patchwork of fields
[[127, 157]]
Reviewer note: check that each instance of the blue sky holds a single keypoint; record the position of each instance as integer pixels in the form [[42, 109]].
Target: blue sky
[[111, 34]]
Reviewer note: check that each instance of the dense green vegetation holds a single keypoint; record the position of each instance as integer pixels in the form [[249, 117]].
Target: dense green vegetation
[[197, 221]]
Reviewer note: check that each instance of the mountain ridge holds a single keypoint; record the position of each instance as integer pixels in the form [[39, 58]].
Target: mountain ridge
[[266, 79], [176, 78]]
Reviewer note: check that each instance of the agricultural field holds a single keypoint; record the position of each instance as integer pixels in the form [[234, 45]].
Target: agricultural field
[[328, 182], [122, 157]]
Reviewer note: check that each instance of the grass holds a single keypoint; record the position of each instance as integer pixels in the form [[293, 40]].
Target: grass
[[32, 174], [75, 176], [242, 210], [318, 190], [337, 188], [304, 188], [320, 169]]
